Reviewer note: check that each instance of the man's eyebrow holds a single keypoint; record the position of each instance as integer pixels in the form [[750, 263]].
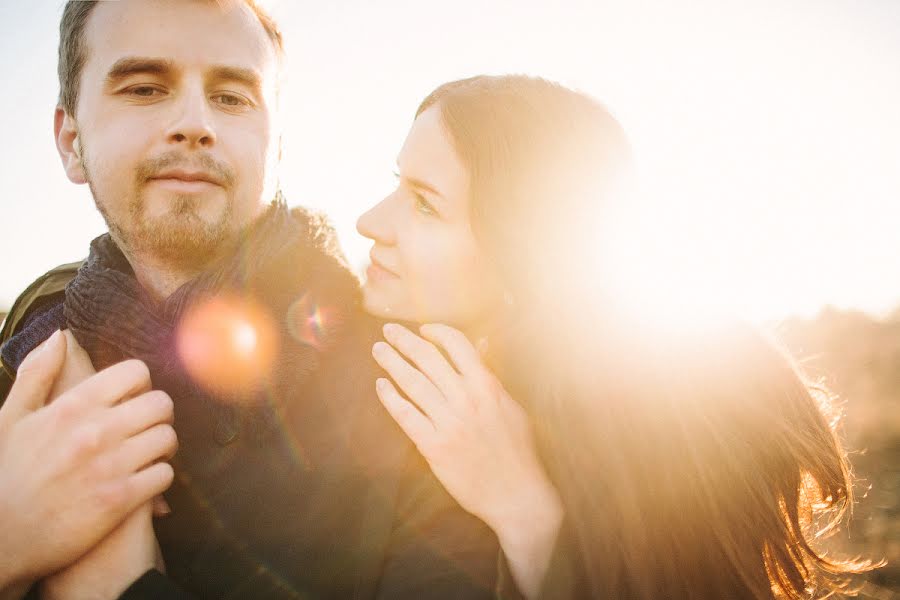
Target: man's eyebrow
[[248, 77], [138, 65]]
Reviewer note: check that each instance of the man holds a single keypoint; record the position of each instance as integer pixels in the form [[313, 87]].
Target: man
[[290, 479]]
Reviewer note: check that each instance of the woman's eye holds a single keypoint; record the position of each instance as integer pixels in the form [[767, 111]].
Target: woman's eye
[[423, 205]]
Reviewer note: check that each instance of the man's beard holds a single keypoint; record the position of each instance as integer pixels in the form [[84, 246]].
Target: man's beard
[[180, 237]]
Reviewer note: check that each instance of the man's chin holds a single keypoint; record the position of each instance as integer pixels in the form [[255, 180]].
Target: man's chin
[[184, 241], [166, 209]]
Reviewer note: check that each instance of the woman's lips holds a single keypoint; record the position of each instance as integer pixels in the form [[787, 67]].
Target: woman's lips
[[375, 272]]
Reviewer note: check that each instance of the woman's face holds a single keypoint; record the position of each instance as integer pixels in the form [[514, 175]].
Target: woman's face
[[426, 265]]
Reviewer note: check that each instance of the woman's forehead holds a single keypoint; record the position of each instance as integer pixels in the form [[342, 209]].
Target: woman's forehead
[[428, 154]]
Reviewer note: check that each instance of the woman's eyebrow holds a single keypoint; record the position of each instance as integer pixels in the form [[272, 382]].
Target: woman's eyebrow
[[423, 186], [418, 183]]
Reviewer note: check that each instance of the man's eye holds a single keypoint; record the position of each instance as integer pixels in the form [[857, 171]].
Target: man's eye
[[231, 100], [144, 91]]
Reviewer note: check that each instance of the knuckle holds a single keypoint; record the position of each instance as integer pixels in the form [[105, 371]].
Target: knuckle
[[137, 370], [86, 441], [163, 402], [442, 443], [113, 494], [454, 335], [168, 437], [101, 469], [439, 331], [407, 412], [166, 473], [64, 410], [486, 383], [451, 431]]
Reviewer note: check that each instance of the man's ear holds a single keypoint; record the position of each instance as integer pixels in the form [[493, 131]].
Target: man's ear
[[68, 146]]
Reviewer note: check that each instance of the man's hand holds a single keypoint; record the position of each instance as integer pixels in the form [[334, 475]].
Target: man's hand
[[72, 471]]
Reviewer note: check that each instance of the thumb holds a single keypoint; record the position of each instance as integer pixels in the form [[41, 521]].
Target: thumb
[[35, 379]]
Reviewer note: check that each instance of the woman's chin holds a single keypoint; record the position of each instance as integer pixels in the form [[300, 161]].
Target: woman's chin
[[377, 306]]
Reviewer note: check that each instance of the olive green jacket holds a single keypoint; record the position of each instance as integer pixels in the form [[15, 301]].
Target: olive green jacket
[[48, 284]]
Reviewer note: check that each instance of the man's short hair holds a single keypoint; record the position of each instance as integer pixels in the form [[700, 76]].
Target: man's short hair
[[73, 51]]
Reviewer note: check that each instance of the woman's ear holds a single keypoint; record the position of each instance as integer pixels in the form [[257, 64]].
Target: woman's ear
[[68, 145]]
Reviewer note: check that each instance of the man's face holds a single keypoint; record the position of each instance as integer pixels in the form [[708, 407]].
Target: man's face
[[173, 124]]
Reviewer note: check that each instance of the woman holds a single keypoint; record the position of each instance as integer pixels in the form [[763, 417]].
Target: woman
[[610, 463]]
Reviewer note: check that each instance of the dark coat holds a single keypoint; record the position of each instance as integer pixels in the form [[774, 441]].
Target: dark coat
[[334, 502]]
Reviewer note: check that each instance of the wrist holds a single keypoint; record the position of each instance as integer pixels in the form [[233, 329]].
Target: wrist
[[533, 520]]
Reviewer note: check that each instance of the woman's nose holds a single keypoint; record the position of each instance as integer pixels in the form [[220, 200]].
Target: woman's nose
[[376, 224]]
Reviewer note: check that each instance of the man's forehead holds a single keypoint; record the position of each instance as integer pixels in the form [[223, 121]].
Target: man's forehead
[[186, 32]]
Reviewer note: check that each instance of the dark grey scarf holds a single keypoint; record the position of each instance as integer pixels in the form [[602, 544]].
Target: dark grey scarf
[[284, 256]]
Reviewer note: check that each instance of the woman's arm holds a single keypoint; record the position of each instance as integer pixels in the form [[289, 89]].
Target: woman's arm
[[476, 439]]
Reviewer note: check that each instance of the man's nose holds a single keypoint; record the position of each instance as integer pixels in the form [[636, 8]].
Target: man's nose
[[192, 123], [376, 223]]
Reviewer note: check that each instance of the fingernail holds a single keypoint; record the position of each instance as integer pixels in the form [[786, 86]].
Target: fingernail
[[390, 329], [379, 348], [381, 383]]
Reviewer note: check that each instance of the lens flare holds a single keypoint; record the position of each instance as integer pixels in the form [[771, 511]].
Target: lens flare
[[244, 338], [228, 345], [308, 322]]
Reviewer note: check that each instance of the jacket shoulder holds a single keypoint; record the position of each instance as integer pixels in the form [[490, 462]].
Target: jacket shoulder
[[51, 282]]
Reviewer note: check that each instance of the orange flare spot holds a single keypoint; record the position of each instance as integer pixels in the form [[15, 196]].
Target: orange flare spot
[[228, 345]]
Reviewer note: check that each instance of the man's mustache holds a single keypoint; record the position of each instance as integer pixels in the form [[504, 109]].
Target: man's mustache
[[202, 165]]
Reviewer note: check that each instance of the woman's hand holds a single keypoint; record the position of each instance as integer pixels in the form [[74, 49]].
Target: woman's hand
[[476, 439], [111, 566]]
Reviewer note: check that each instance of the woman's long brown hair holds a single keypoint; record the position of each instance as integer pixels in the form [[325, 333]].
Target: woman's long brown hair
[[690, 466]]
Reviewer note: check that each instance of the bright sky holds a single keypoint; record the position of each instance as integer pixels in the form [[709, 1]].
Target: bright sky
[[768, 131]]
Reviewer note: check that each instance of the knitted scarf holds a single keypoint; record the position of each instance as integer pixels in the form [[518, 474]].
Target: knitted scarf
[[287, 257]]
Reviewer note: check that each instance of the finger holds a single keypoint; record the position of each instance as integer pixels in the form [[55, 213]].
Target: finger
[[111, 385], [147, 483], [414, 424], [155, 444], [413, 383], [427, 358], [76, 368], [457, 346], [161, 508], [138, 414], [35, 378]]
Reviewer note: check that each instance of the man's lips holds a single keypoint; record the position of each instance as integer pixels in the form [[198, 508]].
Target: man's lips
[[189, 176], [186, 181]]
